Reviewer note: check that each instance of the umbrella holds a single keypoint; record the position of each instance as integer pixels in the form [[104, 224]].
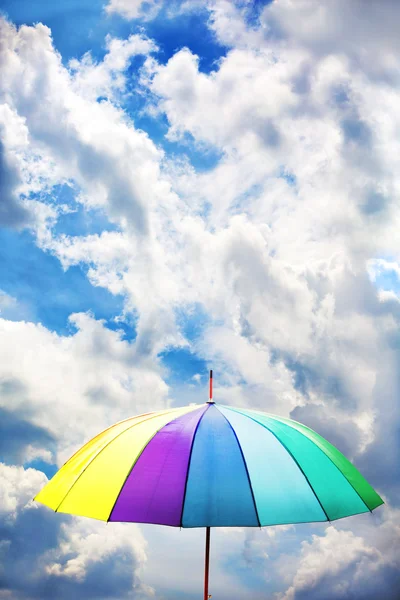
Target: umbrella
[[209, 466]]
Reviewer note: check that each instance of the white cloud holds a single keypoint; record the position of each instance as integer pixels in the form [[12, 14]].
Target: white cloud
[[220, 108], [107, 78], [365, 32], [278, 263], [18, 487], [32, 453], [69, 384], [346, 563], [318, 202], [135, 9], [75, 132], [86, 542], [122, 177], [322, 557], [273, 107]]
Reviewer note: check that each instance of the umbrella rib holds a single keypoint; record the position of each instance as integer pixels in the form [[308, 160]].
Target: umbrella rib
[[245, 466], [285, 422], [188, 467], [335, 465], [108, 429], [288, 451], [153, 416]]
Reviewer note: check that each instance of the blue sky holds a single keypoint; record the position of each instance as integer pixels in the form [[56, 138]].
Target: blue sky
[[186, 186]]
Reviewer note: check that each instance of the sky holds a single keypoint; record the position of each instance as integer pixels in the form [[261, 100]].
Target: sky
[[189, 185]]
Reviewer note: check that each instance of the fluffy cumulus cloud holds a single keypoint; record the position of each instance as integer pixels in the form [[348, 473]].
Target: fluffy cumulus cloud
[[47, 557], [287, 246], [339, 563], [70, 383], [71, 130], [304, 196]]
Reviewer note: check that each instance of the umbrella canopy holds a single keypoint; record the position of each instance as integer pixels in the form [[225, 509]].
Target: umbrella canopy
[[209, 466]]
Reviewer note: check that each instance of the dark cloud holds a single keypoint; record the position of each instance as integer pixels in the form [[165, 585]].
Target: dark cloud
[[380, 461], [311, 377], [12, 213], [381, 583], [123, 196], [16, 433], [366, 32], [345, 436], [28, 542], [25, 541]]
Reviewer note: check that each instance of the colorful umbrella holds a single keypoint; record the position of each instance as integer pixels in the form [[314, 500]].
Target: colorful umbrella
[[209, 466]]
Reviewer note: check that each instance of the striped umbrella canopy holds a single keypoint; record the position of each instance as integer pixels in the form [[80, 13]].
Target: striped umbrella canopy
[[209, 466]]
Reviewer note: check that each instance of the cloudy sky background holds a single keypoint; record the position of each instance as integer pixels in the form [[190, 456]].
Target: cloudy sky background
[[193, 185]]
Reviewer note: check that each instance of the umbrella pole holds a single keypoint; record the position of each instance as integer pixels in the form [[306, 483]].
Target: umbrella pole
[[207, 564], [207, 561]]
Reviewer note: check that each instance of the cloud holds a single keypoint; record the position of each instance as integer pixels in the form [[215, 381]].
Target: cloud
[[321, 560], [123, 178], [20, 440], [344, 564], [12, 214], [134, 9], [46, 555], [74, 134], [12, 211], [314, 182], [18, 489], [325, 27], [107, 78], [304, 114], [70, 383], [185, 92]]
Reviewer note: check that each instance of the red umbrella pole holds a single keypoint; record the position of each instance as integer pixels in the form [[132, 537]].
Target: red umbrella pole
[[207, 565], [207, 562], [210, 400]]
